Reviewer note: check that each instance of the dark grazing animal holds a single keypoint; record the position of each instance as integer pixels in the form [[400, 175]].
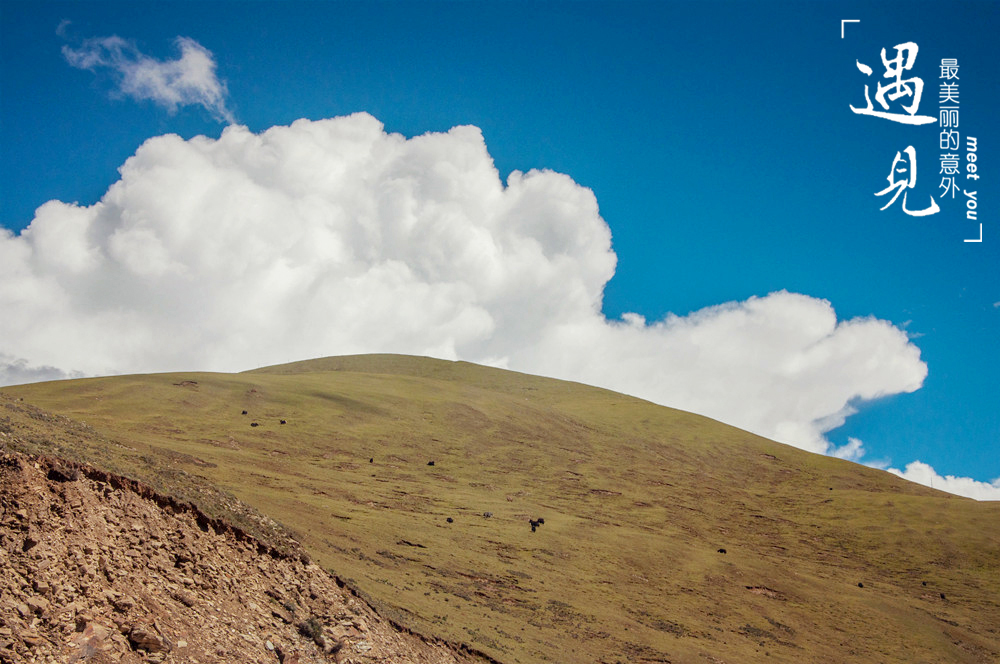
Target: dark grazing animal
[[722, 550], [282, 421], [254, 424], [430, 463], [244, 412], [450, 520]]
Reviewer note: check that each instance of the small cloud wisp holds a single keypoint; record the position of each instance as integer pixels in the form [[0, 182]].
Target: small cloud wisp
[[188, 80]]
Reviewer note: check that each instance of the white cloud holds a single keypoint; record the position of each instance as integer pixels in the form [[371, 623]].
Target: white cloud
[[781, 365], [335, 237], [188, 80], [315, 239], [853, 450], [921, 473]]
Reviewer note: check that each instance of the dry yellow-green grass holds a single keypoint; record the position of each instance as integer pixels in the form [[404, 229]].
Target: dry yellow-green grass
[[637, 500]]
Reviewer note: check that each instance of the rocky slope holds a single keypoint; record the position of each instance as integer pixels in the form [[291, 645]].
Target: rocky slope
[[98, 568]]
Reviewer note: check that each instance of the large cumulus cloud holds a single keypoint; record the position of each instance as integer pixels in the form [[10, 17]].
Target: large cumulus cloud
[[319, 238], [334, 237]]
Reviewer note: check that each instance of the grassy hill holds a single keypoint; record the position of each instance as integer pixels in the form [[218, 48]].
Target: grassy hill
[[637, 501]]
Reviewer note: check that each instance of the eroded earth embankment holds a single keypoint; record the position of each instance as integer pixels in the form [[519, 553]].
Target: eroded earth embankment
[[98, 568]]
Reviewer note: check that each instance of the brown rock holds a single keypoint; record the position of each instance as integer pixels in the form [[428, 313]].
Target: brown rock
[[124, 604], [37, 604], [143, 636], [31, 540], [61, 473], [185, 598], [96, 631], [280, 612], [91, 642], [82, 619], [71, 607]]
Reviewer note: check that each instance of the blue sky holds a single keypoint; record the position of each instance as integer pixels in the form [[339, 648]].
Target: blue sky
[[717, 139]]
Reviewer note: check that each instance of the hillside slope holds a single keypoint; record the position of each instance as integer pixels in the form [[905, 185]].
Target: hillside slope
[[824, 560], [100, 569]]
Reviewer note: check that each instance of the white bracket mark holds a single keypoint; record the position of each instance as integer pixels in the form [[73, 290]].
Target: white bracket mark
[[980, 235]]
